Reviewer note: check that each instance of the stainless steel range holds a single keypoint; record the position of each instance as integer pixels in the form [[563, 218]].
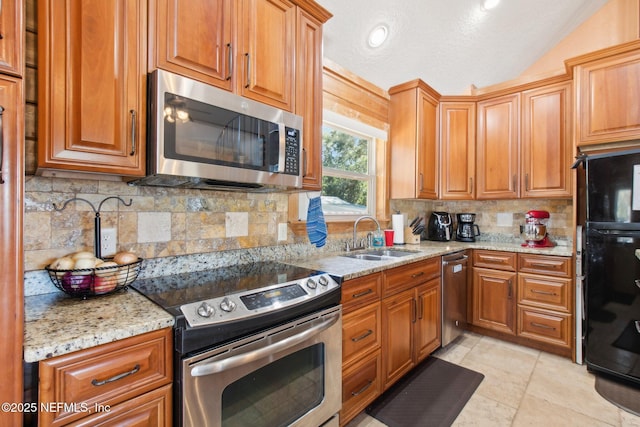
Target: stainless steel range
[[256, 344]]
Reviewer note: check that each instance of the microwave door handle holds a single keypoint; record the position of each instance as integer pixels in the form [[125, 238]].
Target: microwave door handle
[[282, 147]]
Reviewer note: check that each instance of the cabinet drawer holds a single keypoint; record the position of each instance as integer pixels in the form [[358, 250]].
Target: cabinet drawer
[[105, 375], [495, 260], [361, 384], [361, 291], [544, 264], [360, 332], [547, 326], [410, 275], [150, 409], [544, 292]]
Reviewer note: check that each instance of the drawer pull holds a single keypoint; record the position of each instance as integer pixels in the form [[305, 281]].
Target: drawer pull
[[542, 264], [363, 336], [535, 291], [416, 275], [363, 389], [116, 377], [363, 293], [540, 325], [490, 258]]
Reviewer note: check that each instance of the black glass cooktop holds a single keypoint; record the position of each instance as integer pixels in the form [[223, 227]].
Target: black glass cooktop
[[170, 292]]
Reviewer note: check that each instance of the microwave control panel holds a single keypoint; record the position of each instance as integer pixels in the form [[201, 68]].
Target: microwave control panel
[[292, 152]]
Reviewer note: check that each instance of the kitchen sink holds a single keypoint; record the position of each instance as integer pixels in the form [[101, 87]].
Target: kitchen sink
[[379, 254]]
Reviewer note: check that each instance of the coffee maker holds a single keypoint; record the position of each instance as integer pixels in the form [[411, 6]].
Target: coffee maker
[[467, 231]]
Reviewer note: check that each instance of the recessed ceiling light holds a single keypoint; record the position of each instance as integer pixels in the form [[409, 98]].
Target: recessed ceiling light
[[489, 4], [378, 35]]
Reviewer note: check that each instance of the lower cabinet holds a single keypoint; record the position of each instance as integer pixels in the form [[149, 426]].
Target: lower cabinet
[[526, 298], [391, 321], [126, 382]]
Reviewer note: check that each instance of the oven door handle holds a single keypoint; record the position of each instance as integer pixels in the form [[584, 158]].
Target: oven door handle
[[244, 358]]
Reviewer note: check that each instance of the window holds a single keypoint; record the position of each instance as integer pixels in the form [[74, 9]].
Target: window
[[348, 168]]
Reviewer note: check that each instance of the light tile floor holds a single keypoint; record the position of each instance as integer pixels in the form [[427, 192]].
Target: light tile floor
[[525, 387]]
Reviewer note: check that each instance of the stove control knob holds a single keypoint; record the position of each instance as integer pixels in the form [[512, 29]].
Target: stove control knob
[[323, 281], [311, 284], [227, 305], [205, 310]]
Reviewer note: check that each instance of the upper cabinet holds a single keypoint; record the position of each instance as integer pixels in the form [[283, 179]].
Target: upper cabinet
[[458, 149], [12, 37], [546, 147], [498, 147], [413, 119], [607, 85], [194, 38], [92, 85]]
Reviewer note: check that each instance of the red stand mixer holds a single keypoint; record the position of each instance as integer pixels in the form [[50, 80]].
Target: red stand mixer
[[534, 230]]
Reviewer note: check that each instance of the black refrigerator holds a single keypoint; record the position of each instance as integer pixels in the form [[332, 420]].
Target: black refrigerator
[[610, 189]]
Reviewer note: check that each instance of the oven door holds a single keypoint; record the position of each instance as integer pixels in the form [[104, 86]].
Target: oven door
[[286, 376]]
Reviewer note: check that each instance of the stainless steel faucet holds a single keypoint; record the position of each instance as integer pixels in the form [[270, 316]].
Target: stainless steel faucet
[[363, 243]]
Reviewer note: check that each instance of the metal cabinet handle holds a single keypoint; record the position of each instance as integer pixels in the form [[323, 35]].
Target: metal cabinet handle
[[536, 291], [414, 311], [509, 290], [363, 389], [363, 336], [526, 181], [229, 61], [248, 59], [540, 325], [116, 377], [421, 307], [416, 275], [363, 293], [541, 264], [133, 132], [471, 185], [1, 136], [514, 181]]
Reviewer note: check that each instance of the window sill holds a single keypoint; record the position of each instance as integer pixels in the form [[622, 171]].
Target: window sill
[[299, 228]]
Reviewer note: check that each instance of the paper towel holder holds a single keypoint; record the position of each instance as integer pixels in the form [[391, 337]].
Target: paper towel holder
[[397, 224]]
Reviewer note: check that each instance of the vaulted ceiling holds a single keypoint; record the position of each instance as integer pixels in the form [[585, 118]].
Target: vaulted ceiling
[[450, 44]]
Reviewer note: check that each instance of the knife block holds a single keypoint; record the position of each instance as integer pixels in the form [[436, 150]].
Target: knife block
[[410, 238]]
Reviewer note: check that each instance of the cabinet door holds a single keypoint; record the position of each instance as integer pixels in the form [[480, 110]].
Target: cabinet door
[[193, 38], [92, 85], [607, 99], [494, 304], [427, 147], [546, 142], [498, 147], [12, 40], [429, 319], [267, 47], [11, 249], [458, 150], [398, 318], [309, 97]]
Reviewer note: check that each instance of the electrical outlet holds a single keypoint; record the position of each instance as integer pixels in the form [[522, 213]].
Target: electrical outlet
[[282, 231], [108, 240]]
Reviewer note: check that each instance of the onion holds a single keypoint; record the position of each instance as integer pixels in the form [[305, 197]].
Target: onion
[[125, 257], [82, 255]]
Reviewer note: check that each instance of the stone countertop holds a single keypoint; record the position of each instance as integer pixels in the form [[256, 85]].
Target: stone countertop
[[57, 324], [350, 268]]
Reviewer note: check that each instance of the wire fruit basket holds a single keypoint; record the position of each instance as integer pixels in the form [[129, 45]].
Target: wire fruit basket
[[87, 282]]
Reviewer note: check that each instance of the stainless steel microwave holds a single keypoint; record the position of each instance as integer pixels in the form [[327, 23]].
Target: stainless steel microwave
[[200, 136]]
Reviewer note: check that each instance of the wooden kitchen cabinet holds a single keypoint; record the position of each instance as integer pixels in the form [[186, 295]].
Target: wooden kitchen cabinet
[[546, 142], [413, 120], [92, 85], [12, 40], [11, 242], [361, 344], [411, 320], [194, 38], [494, 289], [607, 84], [132, 377], [498, 147], [458, 150]]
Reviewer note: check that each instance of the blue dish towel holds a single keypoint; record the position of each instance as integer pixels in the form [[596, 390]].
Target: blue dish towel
[[316, 227]]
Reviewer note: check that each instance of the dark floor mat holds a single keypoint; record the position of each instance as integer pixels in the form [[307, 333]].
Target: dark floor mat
[[620, 394], [431, 395]]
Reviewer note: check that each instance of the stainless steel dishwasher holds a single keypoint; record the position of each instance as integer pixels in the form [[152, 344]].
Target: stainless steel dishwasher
[[454, 295]]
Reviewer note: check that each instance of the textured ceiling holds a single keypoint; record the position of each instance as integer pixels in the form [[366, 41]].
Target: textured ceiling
[[450, 44]]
